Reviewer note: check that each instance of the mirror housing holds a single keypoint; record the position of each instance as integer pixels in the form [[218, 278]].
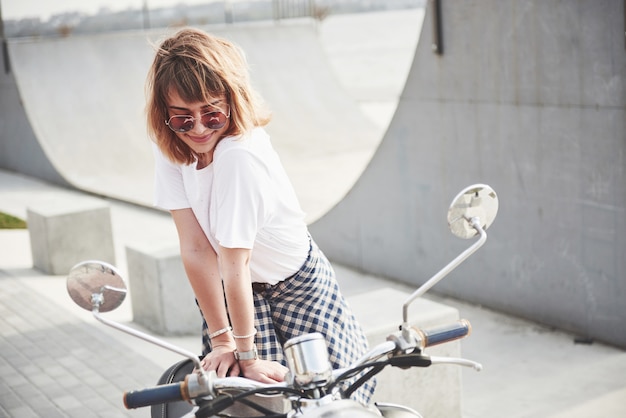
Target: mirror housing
[[96, 285], [477, 201]]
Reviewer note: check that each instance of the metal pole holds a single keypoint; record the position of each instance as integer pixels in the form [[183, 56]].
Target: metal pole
[[437, 28], [1, 23], [5, 47], [228, 11], [146, 15], [474, 222]]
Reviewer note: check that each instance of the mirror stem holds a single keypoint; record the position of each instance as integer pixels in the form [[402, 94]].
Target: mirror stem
[[153, 340], [475, 223]]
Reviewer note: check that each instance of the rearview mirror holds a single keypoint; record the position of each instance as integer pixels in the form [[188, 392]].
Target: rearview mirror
[[96, 285], [478, 202]]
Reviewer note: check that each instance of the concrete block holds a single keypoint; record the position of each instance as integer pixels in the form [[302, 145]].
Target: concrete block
[[162, 298], [67, 230], [433, 391]]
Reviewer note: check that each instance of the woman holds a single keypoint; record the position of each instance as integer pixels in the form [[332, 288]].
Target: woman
[[258, 277]]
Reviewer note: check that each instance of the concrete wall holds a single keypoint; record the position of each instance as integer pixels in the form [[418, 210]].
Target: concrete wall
[[528, 97], [17, 139]]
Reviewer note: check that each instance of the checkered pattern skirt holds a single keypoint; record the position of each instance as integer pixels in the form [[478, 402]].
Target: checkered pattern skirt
[[309, 301]]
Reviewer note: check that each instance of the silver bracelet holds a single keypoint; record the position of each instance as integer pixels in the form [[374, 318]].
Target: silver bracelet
[[220, 332], [241, 337]]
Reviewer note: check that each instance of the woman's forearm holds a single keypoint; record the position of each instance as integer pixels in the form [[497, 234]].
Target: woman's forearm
[[201, 265], [235, 269], [207, 286]]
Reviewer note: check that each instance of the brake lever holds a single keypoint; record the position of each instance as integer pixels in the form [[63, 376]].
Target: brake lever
[[457, 361]]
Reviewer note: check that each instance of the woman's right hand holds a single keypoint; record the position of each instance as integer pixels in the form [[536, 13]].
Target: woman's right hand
[[264, 371], [222, 360]]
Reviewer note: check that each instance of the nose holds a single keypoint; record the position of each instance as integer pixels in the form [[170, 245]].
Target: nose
[[198, 127]]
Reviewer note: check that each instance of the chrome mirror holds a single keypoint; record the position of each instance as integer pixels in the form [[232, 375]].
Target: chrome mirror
[[96, 285], [477, 202]]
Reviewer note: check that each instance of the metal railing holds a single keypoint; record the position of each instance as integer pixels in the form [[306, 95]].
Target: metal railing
[[217, 12], [289, 9]]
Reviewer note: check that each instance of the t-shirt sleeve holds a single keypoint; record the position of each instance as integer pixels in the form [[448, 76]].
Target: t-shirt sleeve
[[169, 190], [242, 198]]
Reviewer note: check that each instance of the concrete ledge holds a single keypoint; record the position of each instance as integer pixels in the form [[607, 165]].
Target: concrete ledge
[[66, 230], [162, 298], [434, 391], [609, 405]]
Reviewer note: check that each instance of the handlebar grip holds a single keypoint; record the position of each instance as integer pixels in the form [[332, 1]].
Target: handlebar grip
[[443, 334], [153, 396]]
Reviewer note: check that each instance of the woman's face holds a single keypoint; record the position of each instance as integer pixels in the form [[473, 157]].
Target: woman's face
[[199, 125]]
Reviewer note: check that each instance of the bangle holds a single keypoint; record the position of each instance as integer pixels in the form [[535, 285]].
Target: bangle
[[241, 337], [220, 332]]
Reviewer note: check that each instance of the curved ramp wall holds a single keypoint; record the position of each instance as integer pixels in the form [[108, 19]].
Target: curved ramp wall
[[18, 142], [528, 97], [76, 107]]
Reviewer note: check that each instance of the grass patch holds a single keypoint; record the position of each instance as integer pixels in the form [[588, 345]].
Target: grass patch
[[11, 222]]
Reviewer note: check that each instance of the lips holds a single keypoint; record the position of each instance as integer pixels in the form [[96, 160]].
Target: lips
[[201, 139]]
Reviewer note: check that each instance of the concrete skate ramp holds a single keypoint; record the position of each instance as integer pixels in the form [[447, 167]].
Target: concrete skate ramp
[[528, 97], [77, 105]]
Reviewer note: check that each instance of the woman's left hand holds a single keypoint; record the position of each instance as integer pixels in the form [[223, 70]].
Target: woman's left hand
[[222, 360]]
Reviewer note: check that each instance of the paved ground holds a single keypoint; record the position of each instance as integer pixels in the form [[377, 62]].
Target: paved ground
[[53, 365]]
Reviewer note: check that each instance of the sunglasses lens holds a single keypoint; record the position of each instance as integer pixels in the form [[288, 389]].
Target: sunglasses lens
[[185, 123], [181, 123], [214, 120]]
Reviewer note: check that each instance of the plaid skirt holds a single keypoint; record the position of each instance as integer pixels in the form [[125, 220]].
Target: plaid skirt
[[309, 301]]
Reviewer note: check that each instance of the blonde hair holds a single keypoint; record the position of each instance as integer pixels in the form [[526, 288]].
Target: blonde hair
[[200, 67]]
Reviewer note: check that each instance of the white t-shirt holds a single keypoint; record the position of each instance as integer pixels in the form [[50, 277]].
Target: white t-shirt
[[243, 199]]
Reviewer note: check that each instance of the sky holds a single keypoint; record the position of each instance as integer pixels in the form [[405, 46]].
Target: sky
[[17, 9]]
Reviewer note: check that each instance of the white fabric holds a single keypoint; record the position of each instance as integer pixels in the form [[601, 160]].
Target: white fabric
[[242, 200]]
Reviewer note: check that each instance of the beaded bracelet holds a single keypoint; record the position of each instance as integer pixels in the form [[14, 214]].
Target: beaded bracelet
[[241, 337], [220, 332]]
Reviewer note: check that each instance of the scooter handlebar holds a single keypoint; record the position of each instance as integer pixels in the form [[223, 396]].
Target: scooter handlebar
[[154, 395], [445, 333], [182, 391]]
